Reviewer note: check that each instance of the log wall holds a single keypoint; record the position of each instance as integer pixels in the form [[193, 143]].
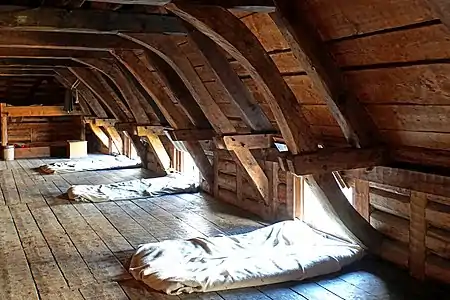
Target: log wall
[[412, 209], [43, 130], [233, 185]]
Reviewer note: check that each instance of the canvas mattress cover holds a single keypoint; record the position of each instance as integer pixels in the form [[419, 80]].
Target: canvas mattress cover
[[285, 251], [173, 183], [89, 164]]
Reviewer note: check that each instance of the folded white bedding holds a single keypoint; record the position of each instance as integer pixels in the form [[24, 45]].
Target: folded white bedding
[[105, 162], [134, 189], [281, 252]]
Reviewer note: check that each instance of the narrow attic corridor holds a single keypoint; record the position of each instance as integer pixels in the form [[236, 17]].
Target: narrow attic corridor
[[56, 249]]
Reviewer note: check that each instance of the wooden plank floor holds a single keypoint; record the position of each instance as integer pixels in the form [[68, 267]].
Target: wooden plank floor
[[51, 248]]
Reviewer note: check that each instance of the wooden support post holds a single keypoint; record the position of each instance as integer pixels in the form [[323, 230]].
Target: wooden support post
[[361, 198], [100, 134], [159, 150], [4, 125], [82, 129], [271, 169], [115, 138], [216, 174], [417, 234], [299, 200]]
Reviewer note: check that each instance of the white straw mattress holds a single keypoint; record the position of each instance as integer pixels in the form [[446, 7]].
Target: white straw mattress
[[134, 189], [281, 252]]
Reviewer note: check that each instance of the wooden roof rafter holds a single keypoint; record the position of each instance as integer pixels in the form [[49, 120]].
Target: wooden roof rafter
[[221, 26], [153, 84], [95, 21], [304, 40]]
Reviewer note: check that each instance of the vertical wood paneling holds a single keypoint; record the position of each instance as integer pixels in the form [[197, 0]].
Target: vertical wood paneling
[[361, 198], [417, 233]]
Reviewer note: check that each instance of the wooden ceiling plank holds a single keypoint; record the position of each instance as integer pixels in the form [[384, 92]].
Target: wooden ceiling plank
[[99, 21], [306, 45], [234, 37]]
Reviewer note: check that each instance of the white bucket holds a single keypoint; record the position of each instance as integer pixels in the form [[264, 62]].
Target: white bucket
[[8, 152]]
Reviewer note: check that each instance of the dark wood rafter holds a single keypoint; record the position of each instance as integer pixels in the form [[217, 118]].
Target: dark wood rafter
[[69, 80], [307, 47], [165, 48], [251, 113], [169, 52], [54, 19], [113, 72], [64, 40], [30, 73], [221, 26], [51, 53], [244, 5], [39, 62], [153, 84], [177, 90], [137, 102], [103, 92]]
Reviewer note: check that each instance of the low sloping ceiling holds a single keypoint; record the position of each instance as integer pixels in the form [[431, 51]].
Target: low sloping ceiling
[[33, 88], [314, 74]]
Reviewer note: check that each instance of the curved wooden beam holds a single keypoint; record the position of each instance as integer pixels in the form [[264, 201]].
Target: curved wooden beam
[[221, 26], [240, 95], [307, 47], [165, 48], [68, 80], [154, 86], [100, 90], [110, 69], [176, 89]]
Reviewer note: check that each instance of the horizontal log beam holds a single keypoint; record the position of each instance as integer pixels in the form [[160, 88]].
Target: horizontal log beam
[[248, 141], [41, 62], [142, 129], [331, 160], [53, 19], [244, 5], [63, 40], [37, 111], [27, 73], [434, 160], [52, 53], [100, 122], [191, 134]]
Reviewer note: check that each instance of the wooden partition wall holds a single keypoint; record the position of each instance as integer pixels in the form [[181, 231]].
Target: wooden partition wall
[[234, 186], [412, 209]]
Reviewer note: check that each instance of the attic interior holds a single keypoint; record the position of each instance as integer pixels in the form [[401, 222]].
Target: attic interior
[[158, 149]]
